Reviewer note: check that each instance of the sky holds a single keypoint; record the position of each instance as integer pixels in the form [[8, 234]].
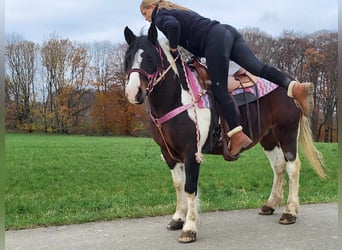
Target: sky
[[105, 20]]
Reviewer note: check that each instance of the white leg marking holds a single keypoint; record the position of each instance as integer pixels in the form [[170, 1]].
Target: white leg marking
[[178, 176], [293, 171], [277, 162], [192, 215]]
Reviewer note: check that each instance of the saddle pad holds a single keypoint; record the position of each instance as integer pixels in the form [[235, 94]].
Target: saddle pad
[[262, 88], [200, 94]]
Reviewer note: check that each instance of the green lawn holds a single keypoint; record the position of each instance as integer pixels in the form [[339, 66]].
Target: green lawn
[[57, 180]]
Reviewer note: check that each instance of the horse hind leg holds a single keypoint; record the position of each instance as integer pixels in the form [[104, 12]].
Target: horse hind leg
[[277, 162], [178, 219]]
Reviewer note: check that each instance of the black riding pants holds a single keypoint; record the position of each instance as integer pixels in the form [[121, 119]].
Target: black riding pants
[[225, 43]]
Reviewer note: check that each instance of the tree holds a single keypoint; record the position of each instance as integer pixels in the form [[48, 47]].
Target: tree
[[66, 75], [102, 107], [76, 98], [321, 68], [20, 74], [111, 112]]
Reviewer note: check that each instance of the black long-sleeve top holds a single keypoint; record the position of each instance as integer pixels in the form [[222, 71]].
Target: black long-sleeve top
[[185, 28]]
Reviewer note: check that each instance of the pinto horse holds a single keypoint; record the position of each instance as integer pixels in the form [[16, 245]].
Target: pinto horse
[[183, 130]]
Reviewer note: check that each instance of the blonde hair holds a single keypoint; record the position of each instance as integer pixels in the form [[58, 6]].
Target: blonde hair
[[145, 4]]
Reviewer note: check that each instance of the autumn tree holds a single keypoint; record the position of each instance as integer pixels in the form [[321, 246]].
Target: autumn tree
[[102, 107], [77, 97], [65, 68], [111, 112], [321, 68], [20, 74]]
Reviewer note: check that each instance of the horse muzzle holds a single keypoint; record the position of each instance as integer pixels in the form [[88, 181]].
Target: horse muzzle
[[136, 97]]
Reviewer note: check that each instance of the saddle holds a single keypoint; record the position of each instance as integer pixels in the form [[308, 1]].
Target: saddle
[[241, 80]]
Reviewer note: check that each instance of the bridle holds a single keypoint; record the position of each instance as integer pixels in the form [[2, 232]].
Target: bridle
[[154, 78]]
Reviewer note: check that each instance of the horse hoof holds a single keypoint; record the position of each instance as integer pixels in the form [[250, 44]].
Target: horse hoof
[[287, 219], [187, 237], [175, 225], [266, 210]]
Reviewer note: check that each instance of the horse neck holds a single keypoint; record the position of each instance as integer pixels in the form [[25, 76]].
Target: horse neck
[[166, 95]]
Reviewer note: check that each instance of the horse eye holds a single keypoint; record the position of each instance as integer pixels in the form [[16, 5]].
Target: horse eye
[[149, 59]]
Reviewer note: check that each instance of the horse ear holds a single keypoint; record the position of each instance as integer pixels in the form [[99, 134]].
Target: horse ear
[[153, 34], [129, 35]]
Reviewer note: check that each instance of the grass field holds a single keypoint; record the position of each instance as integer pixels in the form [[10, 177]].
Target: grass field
[[58, 180]]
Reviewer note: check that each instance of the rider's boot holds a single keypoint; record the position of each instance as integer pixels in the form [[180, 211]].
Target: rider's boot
[[238, 140], [303, 94]]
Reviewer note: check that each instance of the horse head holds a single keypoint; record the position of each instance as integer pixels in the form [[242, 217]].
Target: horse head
[[143, 62]]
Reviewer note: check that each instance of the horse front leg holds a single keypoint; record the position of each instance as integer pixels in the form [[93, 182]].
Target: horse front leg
[[178, 177], [277, 162], [290, 213], [189, 232]]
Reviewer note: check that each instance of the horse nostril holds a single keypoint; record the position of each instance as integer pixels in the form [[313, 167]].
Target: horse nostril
[[140, 96]]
